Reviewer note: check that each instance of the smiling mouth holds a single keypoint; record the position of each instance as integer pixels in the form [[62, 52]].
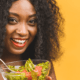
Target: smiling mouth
[[19, 42]]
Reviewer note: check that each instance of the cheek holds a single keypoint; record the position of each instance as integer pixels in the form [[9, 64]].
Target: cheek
[[9, 29], [33, 31]]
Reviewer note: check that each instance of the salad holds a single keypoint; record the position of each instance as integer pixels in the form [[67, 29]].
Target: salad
[[29, 71]]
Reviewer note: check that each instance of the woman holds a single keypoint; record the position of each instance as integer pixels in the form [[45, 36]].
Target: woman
[[30, 29]]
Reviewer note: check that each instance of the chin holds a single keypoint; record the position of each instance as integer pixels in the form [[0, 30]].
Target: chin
[[17, 52]]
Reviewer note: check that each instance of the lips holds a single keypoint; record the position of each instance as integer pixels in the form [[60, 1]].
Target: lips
[[19, 42]]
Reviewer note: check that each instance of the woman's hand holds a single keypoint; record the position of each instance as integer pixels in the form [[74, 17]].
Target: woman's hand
[[48, 78]]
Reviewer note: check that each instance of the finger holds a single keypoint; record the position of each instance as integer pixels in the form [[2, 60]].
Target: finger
[[48, 78]]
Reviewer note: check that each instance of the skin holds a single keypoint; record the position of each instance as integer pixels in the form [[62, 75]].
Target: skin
[[21, 25]]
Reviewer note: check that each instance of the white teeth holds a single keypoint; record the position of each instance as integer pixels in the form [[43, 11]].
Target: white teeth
[[19, 41]]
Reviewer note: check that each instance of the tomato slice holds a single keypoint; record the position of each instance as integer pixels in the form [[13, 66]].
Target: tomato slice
[[38, 69], [24, 71], [28, 75]]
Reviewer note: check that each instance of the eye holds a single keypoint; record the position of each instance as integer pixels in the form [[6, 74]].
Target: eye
[[12, 20], [32, 22]]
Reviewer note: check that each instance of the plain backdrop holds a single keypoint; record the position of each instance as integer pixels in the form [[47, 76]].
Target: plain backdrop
[[68, 67]]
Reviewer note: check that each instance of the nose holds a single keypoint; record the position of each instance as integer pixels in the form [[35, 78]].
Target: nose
[[22, 30]]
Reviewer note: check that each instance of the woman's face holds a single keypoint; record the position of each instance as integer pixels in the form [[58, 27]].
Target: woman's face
[[21, 28]]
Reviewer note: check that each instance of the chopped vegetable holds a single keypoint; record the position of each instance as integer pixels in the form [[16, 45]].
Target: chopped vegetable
[[29, 71]]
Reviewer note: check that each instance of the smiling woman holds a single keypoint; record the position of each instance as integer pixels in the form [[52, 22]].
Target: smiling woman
[[30, 29], [21, 28]]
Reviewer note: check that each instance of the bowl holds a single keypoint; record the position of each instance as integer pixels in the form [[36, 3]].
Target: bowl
[[20, 75]]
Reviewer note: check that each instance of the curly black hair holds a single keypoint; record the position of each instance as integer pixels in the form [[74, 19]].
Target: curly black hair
[[46, 43]]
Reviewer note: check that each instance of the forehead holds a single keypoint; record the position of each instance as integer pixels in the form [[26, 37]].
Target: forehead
[[22, 5]]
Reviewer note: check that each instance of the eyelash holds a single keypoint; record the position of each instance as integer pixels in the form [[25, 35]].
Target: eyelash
[[12, 20], [32, 22]]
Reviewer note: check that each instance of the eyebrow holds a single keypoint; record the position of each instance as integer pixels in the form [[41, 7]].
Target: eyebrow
[[14, 14], [33, 15]]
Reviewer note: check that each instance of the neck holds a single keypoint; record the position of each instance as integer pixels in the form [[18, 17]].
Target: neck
[[9, 57]]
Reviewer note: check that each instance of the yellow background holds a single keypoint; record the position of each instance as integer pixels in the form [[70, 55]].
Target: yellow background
[[68, 67]]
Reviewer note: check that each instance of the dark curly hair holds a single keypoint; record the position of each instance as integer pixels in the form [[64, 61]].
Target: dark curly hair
[[46, 43]]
